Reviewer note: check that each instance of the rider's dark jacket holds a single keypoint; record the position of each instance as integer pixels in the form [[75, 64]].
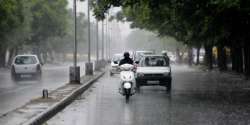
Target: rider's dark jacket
[[126, 61]]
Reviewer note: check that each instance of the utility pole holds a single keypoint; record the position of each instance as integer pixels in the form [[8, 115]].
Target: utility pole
[[110, 41], [89, 65], [97, 41], [89, 49], [75, 70], [106, 45], [97, 65], [102, 40]]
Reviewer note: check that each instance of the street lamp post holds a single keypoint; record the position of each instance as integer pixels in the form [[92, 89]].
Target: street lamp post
[[75, 70], [106, 46], [110, 40], [97, 41], [97, 47], [89, 64], [102, 40]]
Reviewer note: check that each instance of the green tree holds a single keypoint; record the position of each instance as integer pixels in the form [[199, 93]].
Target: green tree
[[11, 18], [49, 20]]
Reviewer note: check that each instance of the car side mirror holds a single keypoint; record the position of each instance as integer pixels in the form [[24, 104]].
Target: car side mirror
[[137, 62], [115, 62], [42, 63]]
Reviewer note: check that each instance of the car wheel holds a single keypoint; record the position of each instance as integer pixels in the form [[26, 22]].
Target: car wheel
[[138, 85], [169, 86], [15, 77], [38, 75]]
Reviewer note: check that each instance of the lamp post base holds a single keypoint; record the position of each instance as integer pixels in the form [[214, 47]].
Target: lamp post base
[[97, 65], [89, 68], [74, 74]]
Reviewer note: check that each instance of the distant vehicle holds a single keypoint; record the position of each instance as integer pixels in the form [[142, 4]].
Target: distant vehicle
[[153, 70], [114, 64], [201, 55], [26, 65], [172, 58], [139, 54]]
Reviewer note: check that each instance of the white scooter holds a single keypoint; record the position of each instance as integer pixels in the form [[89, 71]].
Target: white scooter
[[127, 83]]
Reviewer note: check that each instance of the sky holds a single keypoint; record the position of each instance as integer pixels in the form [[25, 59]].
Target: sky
[[82, 7]]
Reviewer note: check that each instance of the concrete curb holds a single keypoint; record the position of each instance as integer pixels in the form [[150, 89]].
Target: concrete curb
[[54, 109]]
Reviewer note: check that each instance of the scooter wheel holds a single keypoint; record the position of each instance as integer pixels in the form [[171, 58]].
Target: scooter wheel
[[127, 98]]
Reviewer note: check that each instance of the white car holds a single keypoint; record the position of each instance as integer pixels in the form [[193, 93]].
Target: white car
[[153, 70], [139, 54], [114, 69], [26, 65]]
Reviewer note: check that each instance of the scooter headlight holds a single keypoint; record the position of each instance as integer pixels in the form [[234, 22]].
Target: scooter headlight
[[127, 85]]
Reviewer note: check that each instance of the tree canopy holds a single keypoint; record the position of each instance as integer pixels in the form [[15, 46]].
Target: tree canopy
[[193, 22]]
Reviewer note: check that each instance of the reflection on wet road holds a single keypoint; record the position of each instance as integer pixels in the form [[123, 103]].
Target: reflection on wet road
[[15, 94], [198, 98]]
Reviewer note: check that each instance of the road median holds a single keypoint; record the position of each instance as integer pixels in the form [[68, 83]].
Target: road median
[[39, 110]]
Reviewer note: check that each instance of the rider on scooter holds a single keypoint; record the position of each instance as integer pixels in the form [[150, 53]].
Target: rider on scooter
[[126, 59]]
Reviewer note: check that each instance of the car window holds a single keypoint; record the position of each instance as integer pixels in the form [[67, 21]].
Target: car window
[[25, 60], [139, 55], [154, 62]]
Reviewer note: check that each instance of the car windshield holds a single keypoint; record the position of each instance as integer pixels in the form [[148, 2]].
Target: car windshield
[[139, 55], [25, 60], [155, 61]]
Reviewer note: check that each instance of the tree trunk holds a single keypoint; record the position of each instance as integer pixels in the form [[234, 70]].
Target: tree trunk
[[2, 57], [208, 56], [190, 56], [247, 61], [222, 63], [51, 55], [178, 55], [11, 55], [234, 58], [237, 59], [37, 51]]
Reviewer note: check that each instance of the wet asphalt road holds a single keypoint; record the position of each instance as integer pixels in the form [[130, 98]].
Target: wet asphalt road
[[15, 94], [198, 98]]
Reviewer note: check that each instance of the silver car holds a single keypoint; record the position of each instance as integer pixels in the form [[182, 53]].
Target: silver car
[[26, 65], [114, 69], [153, 70]]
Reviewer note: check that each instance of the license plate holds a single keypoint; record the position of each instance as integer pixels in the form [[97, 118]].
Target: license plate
[[153, 82], [26, 76]]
